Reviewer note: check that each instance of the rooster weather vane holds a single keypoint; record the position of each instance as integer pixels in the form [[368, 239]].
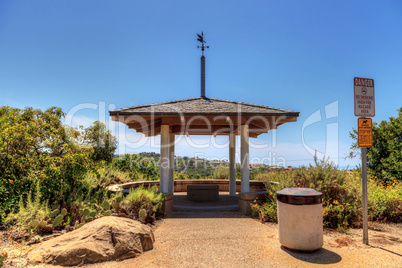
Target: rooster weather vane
[[201, 39]]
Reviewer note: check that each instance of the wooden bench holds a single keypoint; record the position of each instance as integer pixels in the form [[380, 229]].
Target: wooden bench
[[203, 192]]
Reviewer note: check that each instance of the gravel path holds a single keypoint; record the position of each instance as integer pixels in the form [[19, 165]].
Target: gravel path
[[229, 239]]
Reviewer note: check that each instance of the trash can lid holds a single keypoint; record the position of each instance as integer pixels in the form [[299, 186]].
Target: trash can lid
[[299, 196]]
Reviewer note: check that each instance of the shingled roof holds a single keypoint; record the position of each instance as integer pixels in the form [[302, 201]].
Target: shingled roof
[[203, 106], [203, 116]]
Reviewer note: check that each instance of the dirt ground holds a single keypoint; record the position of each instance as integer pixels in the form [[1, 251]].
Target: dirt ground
[[229, 239]]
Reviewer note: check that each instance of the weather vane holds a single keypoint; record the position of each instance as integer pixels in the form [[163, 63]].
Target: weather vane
[[201, 39]]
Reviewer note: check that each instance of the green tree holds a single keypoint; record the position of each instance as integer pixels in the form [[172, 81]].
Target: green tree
[[384, 159], [101, 140], [36, 148]]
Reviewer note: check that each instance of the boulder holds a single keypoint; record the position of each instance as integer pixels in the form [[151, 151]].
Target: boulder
[[104, 239]]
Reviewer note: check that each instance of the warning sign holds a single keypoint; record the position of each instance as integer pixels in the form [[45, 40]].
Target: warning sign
[[365, 132], [364, 97]]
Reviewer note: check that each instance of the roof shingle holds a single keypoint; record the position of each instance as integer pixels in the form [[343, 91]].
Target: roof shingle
[[203, 106]]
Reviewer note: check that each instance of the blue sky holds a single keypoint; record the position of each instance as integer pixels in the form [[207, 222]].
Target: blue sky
[[90, 56]]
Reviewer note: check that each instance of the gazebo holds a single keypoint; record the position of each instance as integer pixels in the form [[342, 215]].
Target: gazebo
[[203, 116]]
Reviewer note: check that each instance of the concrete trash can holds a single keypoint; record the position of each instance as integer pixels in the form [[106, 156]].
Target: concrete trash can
[[300, 221]]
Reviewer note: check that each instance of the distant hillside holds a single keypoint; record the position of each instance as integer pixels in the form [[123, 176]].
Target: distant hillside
[[200, 168]]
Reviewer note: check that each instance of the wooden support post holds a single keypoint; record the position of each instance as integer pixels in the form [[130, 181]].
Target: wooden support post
[[232, 164], [171, 163], [164, 162], [244, 161]]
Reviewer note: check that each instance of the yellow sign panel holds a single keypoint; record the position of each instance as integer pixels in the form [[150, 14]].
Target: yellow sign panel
[[365, 132]]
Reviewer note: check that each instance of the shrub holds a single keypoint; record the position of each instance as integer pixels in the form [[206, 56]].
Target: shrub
[[3, 257], [149, 200], [385, 202], [221, 173], [106, 175], [29, 211], [181, 176], [262, 176], [325, 178], [342, 195], [265, 209], [340, 215], [34, 216], [137, 167]]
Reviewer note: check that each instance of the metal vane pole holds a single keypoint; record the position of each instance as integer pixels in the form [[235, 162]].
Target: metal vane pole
[[201, 39]]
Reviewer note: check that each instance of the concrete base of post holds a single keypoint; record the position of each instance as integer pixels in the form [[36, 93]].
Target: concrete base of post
[[300, 226], [245, 199], [168, 203]]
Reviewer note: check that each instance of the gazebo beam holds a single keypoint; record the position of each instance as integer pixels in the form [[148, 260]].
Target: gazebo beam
[[255, 128], [267, 123], [152, 131], [153, 134], [146, 125], [203, 125], [203, 120], [253, 135], [139, 125], [208, 130], [126, 119]]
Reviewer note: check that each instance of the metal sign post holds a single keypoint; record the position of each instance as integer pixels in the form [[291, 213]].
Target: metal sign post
[[365, 139], [364, 106], [364, 188]]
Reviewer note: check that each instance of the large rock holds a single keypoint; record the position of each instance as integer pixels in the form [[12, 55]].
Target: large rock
[[104, 239]]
